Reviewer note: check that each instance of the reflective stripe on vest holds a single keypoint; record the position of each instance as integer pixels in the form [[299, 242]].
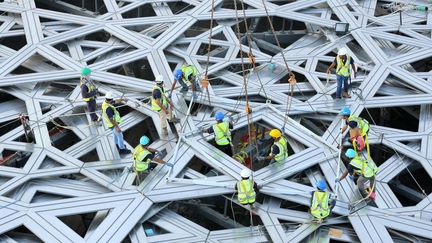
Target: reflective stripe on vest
[[90, 88], [163, 99], [139, 154], [369, 167], [283, 151], [187, 71], [320, 208], [116, 117], [246, 192], [222, 133], [343, 69], [361, 123]]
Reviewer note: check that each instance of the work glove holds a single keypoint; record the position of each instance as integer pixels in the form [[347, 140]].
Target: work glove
[[351, 177], [337, 180], [259, 157], [194, 96], [169, 164]]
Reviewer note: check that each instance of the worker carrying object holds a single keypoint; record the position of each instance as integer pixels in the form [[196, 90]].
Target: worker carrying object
[[279, 149], [343, 71], [112, 120], [358, 129], [144, 156], [162, 104], [361, 171], [222, 133], [186, 76], [89, 93], [246, 188], [321, 201]]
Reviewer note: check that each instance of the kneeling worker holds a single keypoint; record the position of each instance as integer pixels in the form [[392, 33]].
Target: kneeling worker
[[246, 188], [144, 156], [321, 202], [279, 149]]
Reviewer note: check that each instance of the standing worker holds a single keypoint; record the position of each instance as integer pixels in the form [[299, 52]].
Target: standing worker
[[222, 133], [358, 131], [279, 149], [186, 76], [160, 104], [362, 172], [246, 188], [321, 202], [112, 119], [89, 92], [343, 71], [144, 156]]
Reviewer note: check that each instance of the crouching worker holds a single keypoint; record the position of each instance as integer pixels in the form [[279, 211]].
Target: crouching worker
[[145, 159], [321, 202], [246, 189]]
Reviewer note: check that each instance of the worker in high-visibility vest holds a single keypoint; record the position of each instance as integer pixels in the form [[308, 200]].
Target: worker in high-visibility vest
[[321, 202], [279, 149], [112, 120], [89, 93], [342, 62], [187, 76], [145, 157], [222, 133], [358, 128], [361, 171], [162, 104], [246, 188]]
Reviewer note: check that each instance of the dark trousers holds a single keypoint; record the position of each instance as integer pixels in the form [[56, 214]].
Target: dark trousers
[[226, 149], [91, 106]]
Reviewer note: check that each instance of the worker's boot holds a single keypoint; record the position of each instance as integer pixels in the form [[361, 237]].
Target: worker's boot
[[165, 131], [346, 95], [175, 120], [124, 151]]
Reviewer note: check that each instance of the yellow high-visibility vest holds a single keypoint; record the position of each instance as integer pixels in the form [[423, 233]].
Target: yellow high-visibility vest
[[116, 118], [163, 100], [139, 154], [90, 88], [283, 150], [222, 133], [246, 192], [343, 69], [320, 208], [368, 167], [361, 123]]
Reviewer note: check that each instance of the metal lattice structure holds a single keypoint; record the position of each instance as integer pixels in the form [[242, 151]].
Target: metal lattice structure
[[72, 175]]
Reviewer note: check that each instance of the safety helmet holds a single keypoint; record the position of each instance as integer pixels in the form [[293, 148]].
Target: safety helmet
[[85, 71], [345, 111], [178, 73], [321, 185], [350, 153], [159, 79], [352, 124], [245, 173], [342, 51], [109, 95], [144, 140], [275, 133], [219, 116]]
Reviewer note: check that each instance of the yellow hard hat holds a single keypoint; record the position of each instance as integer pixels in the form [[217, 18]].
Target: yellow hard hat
[[275, 133]]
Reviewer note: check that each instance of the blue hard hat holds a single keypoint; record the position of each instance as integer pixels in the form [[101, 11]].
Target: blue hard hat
[[219, 116], [144, 140], [178, 73], [321, 185], [350, 153], [345, 111]]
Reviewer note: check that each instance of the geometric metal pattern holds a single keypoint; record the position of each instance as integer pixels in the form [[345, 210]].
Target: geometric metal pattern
[[74, 169]]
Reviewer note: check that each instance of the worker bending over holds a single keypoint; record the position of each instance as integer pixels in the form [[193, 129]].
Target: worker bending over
[[144, 156], [186, 76], [279, 149], [362, 172], [222, 133], [321, 202], [162, 104], [343, 71], [89, 93], [246, 188], [358, 129], [112, 120]]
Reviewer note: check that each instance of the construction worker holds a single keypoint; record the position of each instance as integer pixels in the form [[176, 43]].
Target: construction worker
[[279, 149], [88, 93], [222, 133], [144, 157], [359, 128], [321, 202], [112, 120], [186, 76], [246, 188], [361, 171], [343, 71], [162, 104]]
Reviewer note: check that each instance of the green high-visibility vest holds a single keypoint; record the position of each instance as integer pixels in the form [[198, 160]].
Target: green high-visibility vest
[[163, 100], [116, 118], [139, 155], [361, 123], [320, 204], [90, 88], [368, 166], [222, 133], [246, 192], [283, 150], [187, 71], [343, 68]]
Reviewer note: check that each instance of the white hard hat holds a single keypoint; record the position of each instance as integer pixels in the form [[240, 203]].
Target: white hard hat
[[159, 79], [245, 173], [109, 95], [342, 51]]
